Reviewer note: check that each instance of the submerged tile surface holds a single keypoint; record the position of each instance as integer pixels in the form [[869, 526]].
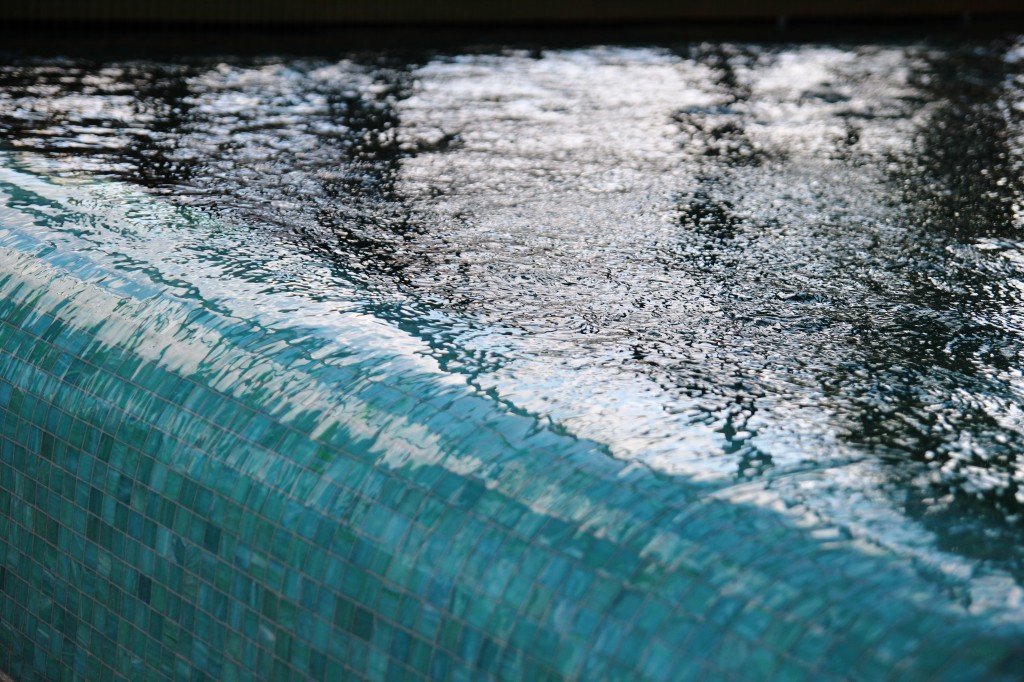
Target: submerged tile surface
[[222, 459]]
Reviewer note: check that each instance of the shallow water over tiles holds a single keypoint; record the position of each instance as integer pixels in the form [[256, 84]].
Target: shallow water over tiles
[[792, 273]]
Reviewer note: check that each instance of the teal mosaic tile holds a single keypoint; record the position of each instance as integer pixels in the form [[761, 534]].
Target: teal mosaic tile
[[287, 507]]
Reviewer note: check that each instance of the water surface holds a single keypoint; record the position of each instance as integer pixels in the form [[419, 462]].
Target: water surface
[[793, 272]]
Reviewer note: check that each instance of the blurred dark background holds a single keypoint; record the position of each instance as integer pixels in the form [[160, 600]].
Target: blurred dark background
[[313, 26], [469, 11]]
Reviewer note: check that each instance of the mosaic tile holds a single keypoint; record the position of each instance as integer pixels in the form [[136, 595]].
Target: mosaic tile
[[161, 520]]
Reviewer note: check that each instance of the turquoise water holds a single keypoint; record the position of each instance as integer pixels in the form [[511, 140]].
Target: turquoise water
[[606, 362]]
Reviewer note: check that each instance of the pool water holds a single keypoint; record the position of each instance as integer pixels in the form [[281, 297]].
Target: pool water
[[786, 278]]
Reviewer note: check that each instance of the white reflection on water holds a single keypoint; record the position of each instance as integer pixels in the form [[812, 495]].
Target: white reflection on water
[[790, 271]]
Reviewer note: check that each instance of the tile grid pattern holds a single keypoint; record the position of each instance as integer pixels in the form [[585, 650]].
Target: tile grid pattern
[[163, 516], [164, 524], [159, 407]]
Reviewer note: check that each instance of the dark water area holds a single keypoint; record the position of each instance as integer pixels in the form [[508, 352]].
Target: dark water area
[[792, 271]]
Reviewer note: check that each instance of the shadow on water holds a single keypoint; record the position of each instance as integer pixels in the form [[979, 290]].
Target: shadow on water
[[895, 296], [307, 147], [941, 396], [114, 120], [305, 150], [714, 142]]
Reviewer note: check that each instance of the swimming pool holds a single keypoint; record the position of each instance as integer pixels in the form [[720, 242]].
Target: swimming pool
[[610, 361]]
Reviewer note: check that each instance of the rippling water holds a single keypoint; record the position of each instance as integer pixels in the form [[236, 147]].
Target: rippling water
[[793, 272]]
